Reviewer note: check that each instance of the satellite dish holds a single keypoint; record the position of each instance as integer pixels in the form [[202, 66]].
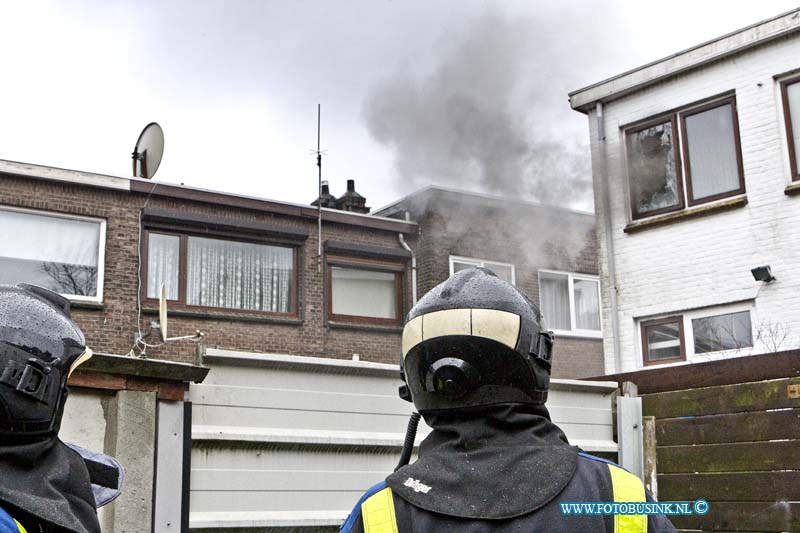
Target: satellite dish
[[148, 151], [162, 313]]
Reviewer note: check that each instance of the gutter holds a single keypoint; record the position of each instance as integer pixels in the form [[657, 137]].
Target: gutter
[[612, 268], [413, 265]]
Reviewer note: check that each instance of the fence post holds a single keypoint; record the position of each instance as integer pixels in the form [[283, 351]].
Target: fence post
[[649, 431], [629, 432]]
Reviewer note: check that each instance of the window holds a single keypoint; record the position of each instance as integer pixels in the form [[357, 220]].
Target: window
[[504, 271], [722, 332], [366, 291], [655, 183], [662, 340], [570, 303], [790, 93], [709, 155], [223, 274], [665, 340], [63, 253]]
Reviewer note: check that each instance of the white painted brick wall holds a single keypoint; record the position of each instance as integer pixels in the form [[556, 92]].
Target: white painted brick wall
[[706, 261]]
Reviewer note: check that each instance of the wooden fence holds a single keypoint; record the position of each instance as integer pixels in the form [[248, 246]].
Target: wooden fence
[[728, 432]]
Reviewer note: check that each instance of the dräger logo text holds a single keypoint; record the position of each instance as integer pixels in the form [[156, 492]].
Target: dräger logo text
[[416, 485]]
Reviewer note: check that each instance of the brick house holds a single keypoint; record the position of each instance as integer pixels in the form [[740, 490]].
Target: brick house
[[695, 167], [550, 253], [184, 236], [246, 273]]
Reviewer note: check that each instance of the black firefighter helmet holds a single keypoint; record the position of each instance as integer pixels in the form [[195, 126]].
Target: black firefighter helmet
[[475, 340], [39, 347]]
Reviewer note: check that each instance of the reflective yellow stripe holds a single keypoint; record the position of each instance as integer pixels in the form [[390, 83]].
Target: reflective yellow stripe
[[628, 488], [19, 526], [378, 513]]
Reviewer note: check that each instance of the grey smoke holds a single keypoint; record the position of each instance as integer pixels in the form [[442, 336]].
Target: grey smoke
[[485, 113]]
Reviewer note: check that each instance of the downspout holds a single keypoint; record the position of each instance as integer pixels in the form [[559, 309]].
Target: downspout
[[413, 265], [612, 270]]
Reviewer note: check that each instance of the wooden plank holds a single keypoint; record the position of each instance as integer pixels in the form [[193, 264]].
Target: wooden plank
[[756, 396], [735, 427], [723, 372], [744, 516], [649, 452], [747, 486], [736, 457]]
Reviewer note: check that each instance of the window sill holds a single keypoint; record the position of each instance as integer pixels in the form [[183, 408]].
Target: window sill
[[366, 327], [692, 212], [83, 304], [227, 316], [576, 335], [792, 189]]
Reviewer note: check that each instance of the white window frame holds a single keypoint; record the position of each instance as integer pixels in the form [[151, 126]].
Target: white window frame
[[688, 334], [483, 263], [101, 248], [572, 276]]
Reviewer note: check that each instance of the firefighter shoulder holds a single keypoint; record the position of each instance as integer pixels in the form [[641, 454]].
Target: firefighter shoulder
[[476, 363], [45, 484]]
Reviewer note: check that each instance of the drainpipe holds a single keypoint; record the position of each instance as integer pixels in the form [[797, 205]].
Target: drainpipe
[[612, 270], [413, 265]]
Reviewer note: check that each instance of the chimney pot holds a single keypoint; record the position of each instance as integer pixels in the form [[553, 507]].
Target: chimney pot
[[351, 185]]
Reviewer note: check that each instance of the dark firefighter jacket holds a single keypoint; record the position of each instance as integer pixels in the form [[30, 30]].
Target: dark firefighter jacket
[[46, 487], [501, 469]]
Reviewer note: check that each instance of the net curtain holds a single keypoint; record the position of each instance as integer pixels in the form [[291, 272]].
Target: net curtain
[[239, 275]]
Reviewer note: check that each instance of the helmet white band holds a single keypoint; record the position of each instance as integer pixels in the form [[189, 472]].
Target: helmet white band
[[499, 326]]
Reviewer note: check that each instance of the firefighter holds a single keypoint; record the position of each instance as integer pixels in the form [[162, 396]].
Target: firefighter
[[45, 485], [476, 363]]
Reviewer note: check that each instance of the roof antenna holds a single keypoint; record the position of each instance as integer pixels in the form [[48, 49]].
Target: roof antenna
[[319, 192]]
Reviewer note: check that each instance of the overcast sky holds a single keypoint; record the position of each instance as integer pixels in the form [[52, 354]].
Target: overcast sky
[[459, 93]]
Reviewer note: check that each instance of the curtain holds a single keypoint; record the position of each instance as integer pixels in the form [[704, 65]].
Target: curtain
[[555, 301], [57, 253], [366, 293], [237, 275], [712, 152], [163, 258], [587, 305]]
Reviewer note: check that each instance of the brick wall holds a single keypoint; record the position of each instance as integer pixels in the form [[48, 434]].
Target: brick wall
[[111, 328], [706, 261], [530, 239]]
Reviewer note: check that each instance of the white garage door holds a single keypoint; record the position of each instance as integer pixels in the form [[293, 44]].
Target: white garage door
[[292, 442]]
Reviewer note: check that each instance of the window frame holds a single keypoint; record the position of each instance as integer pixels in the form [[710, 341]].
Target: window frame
[[643, 325], [672, 118], [571, 277], [737, 143], [180, 303], [787, 121], [677, 117], [360, 263], [101, 247], [482, 264], [687, 333]]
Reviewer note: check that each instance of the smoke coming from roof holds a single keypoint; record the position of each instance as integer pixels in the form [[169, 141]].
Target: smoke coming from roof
[[481, 116]]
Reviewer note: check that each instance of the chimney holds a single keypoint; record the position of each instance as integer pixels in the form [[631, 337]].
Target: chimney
[[351, 200], [327, 199]]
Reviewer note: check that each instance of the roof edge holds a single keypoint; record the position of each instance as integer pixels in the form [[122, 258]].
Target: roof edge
[[434, 189], [171, 190], [709, 51]]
